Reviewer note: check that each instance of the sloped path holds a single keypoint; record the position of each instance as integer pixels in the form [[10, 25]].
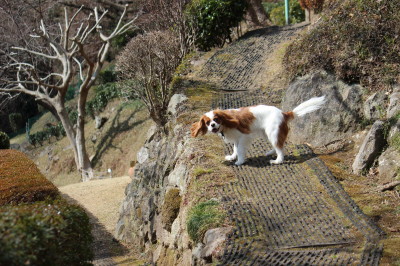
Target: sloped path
[[102, 200], [295, 213]]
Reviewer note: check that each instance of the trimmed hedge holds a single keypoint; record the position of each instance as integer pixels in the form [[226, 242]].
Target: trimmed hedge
[[45, 234], [21, 181], [37, 226]]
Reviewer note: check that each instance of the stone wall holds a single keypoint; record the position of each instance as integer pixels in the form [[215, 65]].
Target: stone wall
[[145, 218]]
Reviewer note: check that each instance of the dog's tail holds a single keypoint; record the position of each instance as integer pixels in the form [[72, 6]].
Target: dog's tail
[[309, 106]]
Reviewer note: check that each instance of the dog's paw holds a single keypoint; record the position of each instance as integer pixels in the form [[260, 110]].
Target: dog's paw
[[239, 162], [275, 161], [230, 157]]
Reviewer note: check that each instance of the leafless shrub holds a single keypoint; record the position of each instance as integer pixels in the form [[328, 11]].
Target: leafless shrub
[[146, 67]]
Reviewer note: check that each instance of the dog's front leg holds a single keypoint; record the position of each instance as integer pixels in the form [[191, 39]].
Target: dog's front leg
[[241, 151], [233, 156]]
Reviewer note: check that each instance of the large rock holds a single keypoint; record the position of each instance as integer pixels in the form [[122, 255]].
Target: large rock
[[214, 239], [374, 106], [394, 103], [99, 121], [173, 104], [389, 164], [338, 119], [370, 149]]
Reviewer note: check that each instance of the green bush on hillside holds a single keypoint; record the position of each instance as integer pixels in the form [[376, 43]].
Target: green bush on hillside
[[358, 41], [213, 20], [107, 75], [104, 93], [4, 141]]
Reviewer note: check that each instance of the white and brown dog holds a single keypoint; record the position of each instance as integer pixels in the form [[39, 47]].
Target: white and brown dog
[[240, 126]]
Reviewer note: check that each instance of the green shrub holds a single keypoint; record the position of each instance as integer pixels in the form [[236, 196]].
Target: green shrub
[[213, 20], [73, 116], [202, 217], [45, 233], [358, 41], [104, 93], [296, 13], [122, 39], [37, 227], [4, 141], [107, 75], [16, 121], [72, 90], [269, 6]]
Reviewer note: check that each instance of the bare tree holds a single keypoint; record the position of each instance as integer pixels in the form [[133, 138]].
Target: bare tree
[[147, 65], [162, 15], [69, 52]]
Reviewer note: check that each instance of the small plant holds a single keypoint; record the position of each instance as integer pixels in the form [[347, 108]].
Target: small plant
[[201, 171], [202, 217], [4, 141]]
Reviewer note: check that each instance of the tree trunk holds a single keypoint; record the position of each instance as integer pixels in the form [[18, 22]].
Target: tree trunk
[[256, 13], [84, 161], [77, 140]]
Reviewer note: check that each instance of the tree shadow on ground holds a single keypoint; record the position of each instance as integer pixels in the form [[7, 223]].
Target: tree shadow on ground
[[115, 129], [104, 245]]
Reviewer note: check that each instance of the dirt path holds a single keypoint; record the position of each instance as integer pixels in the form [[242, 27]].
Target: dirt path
[[102, 200]]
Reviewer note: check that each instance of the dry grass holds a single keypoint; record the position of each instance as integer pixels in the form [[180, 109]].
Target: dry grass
[[382, 207]]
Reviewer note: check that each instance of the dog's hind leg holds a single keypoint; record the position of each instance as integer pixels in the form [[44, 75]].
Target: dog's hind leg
[[277, 139], [271, 152], [279, 158]]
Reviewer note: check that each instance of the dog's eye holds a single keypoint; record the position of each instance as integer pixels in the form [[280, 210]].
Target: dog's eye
[[208, 123], [216, 120]]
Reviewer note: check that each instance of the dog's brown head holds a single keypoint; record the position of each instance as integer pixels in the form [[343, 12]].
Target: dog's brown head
[[215, 121]]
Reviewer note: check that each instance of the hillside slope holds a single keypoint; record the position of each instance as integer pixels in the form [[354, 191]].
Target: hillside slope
[[296, 212]]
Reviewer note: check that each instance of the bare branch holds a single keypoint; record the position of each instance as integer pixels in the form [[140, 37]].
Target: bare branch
[[35, 52], [80, 68]]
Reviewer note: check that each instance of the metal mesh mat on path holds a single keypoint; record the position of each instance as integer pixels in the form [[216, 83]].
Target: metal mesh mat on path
[[294, 213], [241, 65]]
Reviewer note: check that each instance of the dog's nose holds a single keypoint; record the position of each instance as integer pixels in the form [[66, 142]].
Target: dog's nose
[[212, 125]]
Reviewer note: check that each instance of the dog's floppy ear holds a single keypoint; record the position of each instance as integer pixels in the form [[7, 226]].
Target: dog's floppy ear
[[226, 119], [199, 127]]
